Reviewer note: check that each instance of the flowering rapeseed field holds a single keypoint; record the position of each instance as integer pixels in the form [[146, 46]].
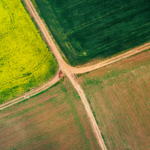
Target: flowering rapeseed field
[[25, 61]]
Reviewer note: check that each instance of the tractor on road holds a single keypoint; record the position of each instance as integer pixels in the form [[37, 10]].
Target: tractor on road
[[60, 74]]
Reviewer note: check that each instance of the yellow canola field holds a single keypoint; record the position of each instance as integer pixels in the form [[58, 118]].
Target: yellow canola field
[[25, 61]]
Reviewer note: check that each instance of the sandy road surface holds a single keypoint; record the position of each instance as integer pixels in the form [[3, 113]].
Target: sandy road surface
[[70, 71], [31, 93], [66, 69], [88, 110], [110, 61]]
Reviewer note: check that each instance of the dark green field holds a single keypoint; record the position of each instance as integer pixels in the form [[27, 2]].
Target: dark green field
[[86, 29]]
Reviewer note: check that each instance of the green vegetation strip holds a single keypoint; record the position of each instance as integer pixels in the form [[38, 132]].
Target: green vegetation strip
[[88, 29], [25, 60]]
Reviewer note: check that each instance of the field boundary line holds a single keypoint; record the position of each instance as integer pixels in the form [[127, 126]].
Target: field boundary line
[[87, 107], [104, 63], [42, 88], [65, 68], [70, 71]]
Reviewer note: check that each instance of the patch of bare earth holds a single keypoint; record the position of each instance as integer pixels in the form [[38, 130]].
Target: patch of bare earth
[[55, 119], [120, 97]]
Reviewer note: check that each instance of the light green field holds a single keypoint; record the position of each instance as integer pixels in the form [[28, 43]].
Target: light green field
[[25, 60]]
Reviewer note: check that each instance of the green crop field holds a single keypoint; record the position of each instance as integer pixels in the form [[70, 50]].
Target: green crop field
[[120, 100], [53, 120], [25, 60], [86, 29]]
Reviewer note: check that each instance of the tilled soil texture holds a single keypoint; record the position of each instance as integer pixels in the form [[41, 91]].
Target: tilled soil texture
[[120, 100], [89, 29], [55, 119]]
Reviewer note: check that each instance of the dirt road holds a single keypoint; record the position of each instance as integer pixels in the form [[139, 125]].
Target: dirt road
[[88, 110], [32, 92], [70, 71], [66, 69], [110, 61]]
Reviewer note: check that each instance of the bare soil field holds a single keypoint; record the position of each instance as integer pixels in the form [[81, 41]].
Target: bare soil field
[[120, 100], [55, 119]]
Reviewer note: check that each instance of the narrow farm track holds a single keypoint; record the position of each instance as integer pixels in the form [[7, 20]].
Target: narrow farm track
[[70, 71], [110, 61], [31, 93], [65, 68]]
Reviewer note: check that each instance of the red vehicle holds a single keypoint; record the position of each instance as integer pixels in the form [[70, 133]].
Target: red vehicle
[[60, 74]]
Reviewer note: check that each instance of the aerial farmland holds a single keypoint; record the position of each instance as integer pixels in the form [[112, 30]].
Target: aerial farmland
[[90, 29], [55, 119], [25, 60], [74, 74], [119, 97]]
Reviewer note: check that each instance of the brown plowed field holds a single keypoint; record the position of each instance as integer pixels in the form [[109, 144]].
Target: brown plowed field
[[120, 99], [56, 119]]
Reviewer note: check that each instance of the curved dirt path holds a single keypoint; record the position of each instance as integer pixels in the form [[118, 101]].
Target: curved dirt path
[[66, 69], [45, 86], [70, 71], [111, 60]]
